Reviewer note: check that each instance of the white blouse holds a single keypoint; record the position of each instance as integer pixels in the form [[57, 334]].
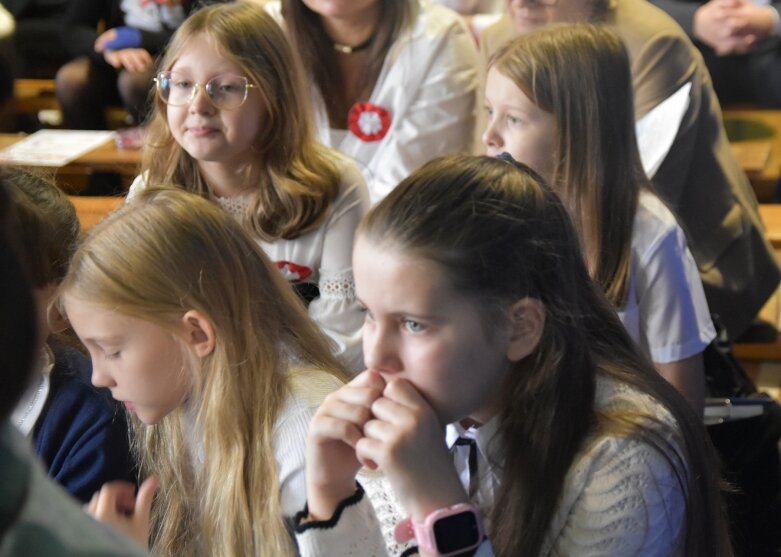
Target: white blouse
[[666, 313], [427, 87], [322, 257]]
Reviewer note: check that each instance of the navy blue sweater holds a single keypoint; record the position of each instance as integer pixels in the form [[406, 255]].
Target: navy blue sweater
[[82, 434]]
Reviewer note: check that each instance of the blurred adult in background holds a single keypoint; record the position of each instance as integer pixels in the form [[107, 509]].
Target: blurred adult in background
[[479, 14], [741, 43], [38, 48], [116, 66], [699, 178], [394, 82]]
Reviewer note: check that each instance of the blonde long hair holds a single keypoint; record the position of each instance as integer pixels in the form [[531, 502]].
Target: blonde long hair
[[165, 253], [580, 73], [298, 181]]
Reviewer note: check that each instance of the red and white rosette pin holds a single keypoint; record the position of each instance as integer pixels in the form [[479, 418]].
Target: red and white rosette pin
[[368, 121], [293, 272]]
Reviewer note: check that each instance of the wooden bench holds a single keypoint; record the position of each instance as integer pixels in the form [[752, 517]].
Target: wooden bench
[[92, 210], [31, 96], [755, 137], [771, 217], [762, 360]]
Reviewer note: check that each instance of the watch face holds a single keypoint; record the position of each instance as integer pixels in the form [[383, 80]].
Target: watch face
[[457, 532]]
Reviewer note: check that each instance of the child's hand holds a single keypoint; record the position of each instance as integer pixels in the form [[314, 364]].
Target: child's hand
[[132, 59], [407, 442], [117, 504], [331, 463], [103, 39], [118, 38]]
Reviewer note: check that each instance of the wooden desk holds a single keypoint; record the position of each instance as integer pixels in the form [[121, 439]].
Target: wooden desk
[[771, 217], [72, 177], [91, 210], [755, 135]]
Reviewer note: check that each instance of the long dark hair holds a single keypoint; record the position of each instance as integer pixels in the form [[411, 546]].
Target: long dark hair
[[319, 57], [18, 335], [500, 235]]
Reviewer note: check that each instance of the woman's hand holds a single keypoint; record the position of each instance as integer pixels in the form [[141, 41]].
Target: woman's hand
[[331, 462], [117, 504], [407, 442]]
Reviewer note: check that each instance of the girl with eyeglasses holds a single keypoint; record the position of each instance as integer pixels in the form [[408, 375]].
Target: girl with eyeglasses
[[192, 327], [232, 123]]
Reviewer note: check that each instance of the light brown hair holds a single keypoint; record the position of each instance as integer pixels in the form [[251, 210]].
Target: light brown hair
[[298, 180]]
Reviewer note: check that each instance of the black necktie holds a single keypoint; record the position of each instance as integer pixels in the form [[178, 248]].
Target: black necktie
[[472, 444]]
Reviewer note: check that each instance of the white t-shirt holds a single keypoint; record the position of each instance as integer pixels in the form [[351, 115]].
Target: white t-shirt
[[666, 312]]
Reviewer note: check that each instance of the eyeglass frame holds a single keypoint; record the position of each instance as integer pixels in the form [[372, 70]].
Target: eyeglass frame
[[197, 86]]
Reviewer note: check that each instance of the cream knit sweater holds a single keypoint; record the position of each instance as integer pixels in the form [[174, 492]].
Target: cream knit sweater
[[621, 497]]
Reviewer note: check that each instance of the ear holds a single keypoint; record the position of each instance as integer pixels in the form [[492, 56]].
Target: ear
[[51, 320], [527, 321], [57, 322], [199, 333]]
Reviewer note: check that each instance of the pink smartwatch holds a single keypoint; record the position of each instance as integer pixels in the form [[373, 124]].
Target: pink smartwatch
[[445, 532]]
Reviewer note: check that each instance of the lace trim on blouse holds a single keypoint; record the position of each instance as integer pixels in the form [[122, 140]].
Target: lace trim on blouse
[[340, 286], [235, 206]]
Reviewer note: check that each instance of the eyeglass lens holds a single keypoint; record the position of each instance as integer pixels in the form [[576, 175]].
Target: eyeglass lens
[[225, 91]]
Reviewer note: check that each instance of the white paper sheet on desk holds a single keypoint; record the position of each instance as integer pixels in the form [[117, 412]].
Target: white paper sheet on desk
[[657, 130], [53, 147]]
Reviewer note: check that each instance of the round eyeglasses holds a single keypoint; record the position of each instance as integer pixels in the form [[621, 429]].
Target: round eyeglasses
[[225, 91]]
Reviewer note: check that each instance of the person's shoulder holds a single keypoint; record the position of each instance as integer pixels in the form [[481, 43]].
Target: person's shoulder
[[610, 456], [49, 522], [640, 23], [652, 210], [496, 35], [352, 184], [274, 9], [654, 222], [310, 386], [307, 389], [434, 20], [617, 397], [138, 185], [437, 14]]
